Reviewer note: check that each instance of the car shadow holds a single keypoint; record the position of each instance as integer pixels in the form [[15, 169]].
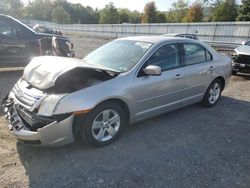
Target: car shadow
[[1, 110], [245, 76], [193, 139]]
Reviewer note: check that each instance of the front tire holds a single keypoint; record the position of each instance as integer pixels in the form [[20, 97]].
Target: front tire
[[103, 125], [212, 94]]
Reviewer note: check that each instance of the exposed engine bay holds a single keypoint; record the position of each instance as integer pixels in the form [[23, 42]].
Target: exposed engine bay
[[77, 79]]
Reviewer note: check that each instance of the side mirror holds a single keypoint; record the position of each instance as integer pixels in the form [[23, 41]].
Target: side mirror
[[243, 42], [152, 70]]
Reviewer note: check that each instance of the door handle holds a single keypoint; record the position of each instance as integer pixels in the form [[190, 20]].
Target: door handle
[[178, 76], [211, 68]]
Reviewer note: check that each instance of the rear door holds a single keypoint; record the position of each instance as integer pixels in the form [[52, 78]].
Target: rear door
[[199, 68], [156, 94]]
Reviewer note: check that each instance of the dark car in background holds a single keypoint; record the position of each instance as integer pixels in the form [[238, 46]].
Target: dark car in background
[[19, 43], [241, 59], [183, 35]]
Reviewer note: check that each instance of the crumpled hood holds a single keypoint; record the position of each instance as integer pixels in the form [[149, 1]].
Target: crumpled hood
[[243, 50], [43, 71]]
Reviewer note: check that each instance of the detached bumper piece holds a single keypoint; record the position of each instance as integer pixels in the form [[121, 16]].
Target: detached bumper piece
[[35, 130]]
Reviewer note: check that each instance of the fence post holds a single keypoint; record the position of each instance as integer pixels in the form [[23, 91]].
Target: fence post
[[215, 28], [187, 28], [134, 28], [122, 31], [166, 24], [248, 33], [149, 29]]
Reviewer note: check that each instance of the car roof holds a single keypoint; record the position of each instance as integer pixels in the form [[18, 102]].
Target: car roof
[[176, 34], [16, 20], [157, 39]]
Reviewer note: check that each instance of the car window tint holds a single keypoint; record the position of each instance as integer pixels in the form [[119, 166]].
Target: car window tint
[[193, 54], [6, 30], [166, 57], [22, 33]]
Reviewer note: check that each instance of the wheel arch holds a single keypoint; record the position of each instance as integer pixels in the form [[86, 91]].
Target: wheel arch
[[222, 81], [123, 105], [77, 125]]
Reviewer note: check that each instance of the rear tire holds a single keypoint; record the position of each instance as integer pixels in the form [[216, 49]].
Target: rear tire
[[212, 94], [103, 125]]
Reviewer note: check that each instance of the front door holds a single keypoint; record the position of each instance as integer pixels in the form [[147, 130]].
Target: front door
[[156, 94]]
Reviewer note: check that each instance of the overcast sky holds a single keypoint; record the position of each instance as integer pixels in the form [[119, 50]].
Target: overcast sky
[[162, 5]]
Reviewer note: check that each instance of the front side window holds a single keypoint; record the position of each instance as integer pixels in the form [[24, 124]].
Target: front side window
[[22, 32], [6, 30], [195, 53], [167, 57]]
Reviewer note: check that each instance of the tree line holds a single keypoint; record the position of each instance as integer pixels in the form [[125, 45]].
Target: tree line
[[63, 12]]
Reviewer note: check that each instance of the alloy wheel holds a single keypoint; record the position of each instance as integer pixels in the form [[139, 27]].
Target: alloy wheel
[[106, 125]]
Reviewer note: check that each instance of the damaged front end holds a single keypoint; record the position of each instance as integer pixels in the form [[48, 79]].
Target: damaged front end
[[241, 59], [21, 109], [31, 105]]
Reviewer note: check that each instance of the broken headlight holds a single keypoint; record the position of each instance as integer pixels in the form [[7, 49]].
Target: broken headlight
[[49, 104]]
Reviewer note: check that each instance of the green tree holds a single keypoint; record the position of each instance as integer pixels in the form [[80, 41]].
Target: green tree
[[244, 11], [59, 15], [161, 17], [135, 17], [39, 9], [127, 16], [109, 15], [42, 10], [11, 7], [150, 13], [195, 12], [124, 15], [178, 11], [225, 11]]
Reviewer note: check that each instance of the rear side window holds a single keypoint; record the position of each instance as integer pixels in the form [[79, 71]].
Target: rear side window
[[195, 53]]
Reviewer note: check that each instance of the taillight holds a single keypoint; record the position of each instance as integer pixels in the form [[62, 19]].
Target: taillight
[[70, 45], [39, 48]]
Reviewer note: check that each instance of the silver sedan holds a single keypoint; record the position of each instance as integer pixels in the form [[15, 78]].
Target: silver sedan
[[127, 80]]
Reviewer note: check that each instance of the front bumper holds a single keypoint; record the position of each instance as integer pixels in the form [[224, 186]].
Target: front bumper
[[71, 54], [56, 133], [240, 67]]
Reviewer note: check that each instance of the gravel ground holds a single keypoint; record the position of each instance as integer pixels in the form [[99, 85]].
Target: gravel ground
[[190, 147]]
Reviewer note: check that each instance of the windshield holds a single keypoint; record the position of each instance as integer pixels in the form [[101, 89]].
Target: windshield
[[119, 55], [248, 43]]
